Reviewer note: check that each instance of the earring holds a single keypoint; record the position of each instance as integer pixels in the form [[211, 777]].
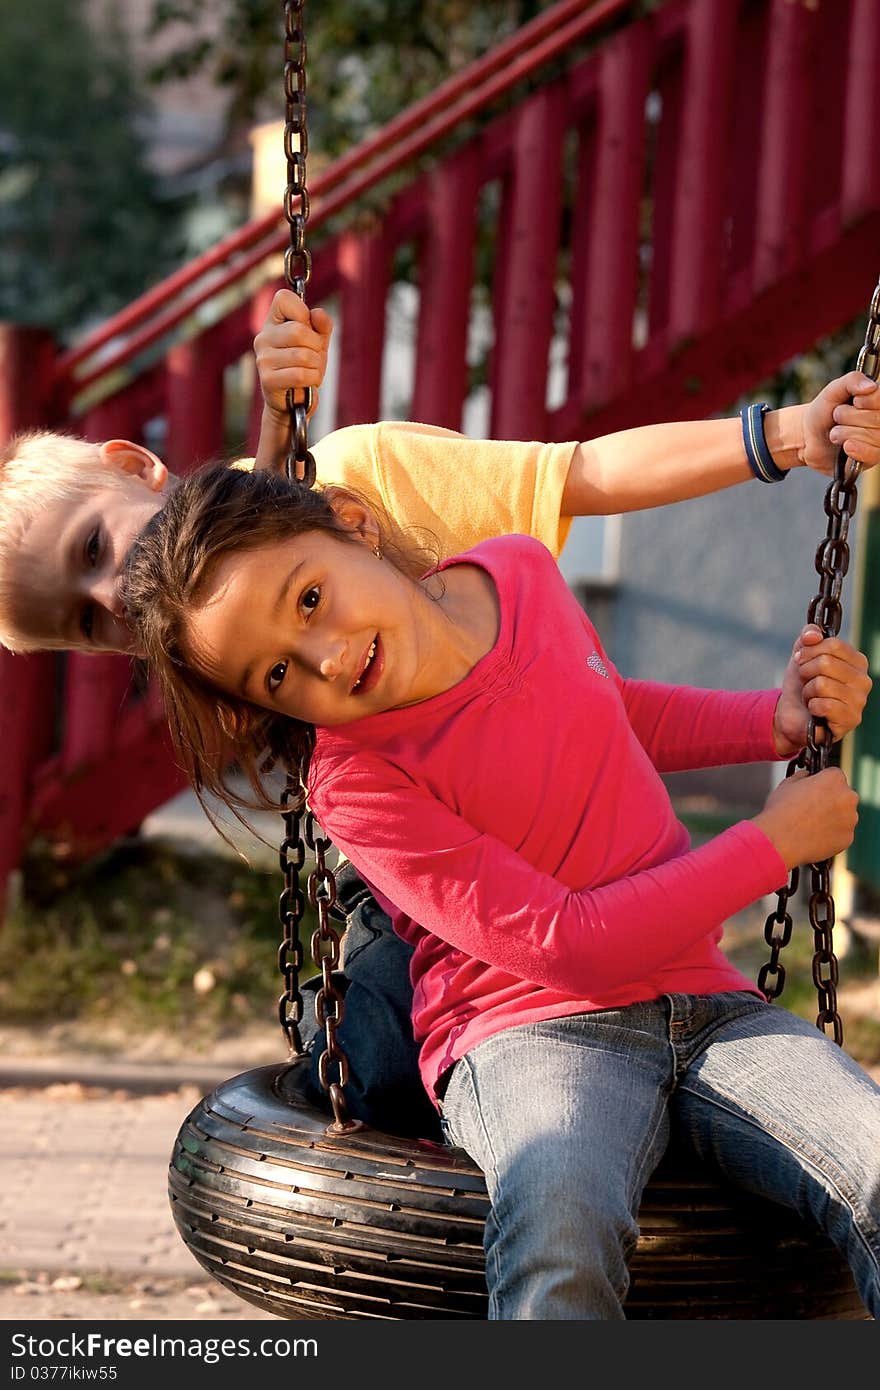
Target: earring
[[377, 552]]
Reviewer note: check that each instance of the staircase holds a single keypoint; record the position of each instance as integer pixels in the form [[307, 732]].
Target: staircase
[[673, 199]]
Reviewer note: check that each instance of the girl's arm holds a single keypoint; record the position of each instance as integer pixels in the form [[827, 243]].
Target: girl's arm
[[475, 892], [681, 727]]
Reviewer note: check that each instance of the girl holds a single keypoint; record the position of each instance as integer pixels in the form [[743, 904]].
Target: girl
[[468, 745]]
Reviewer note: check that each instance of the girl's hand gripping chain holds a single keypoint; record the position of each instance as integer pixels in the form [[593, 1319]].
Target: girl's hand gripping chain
[[810, 818]]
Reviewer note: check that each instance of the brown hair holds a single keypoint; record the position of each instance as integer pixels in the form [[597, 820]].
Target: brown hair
[[217, 510]]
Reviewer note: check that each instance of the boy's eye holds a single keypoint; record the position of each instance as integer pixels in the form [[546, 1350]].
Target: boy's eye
[[311, 598], [276, 676], [93, 547], [87, 621]]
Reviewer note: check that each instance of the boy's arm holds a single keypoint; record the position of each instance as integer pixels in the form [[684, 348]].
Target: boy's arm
[[291, 351], [656, 464], [272, 446], [630, 470]]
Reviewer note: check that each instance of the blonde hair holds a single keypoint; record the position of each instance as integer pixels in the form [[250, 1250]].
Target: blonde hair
[[38, 470]]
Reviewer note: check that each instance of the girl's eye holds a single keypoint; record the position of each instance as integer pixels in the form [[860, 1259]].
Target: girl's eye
[[311, 598], [93, 547], [276, 676]]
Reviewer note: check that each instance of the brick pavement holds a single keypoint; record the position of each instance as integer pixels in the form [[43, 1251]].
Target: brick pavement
[[85, 1223], [86, 1231], [83, 1181]]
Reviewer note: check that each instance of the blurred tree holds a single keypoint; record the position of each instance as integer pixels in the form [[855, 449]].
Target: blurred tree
[[368, 59], [82, 226], [802, 377]]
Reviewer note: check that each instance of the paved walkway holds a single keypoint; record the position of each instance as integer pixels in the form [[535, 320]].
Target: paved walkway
[[86, 1230], [83, 1182], [85, 1223]]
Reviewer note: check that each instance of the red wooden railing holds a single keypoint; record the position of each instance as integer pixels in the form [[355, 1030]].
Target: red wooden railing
[[682, 201]]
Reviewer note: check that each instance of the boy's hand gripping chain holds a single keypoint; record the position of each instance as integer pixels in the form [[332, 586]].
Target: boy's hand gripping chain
[[832, 563], [329, 1003]]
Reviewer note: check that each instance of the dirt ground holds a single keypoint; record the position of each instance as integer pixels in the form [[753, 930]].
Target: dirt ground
[[73, 1298]]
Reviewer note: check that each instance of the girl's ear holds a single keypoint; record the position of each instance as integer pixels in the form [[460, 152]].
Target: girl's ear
[[354, 515]]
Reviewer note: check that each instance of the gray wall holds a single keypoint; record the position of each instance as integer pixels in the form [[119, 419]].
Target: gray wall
[[713, 591]]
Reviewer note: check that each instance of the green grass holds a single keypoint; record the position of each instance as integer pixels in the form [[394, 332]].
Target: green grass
[[131, 936], [123, 939]]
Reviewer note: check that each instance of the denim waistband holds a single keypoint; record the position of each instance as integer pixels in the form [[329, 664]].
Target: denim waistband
[[351, 890]]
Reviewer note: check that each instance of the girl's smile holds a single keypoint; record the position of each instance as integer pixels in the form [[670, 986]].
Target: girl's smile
[[370, 668]]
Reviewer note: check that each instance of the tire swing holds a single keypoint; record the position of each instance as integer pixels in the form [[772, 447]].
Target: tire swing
[[308, 1214]]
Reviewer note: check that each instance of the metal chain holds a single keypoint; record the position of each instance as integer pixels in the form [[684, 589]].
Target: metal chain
[[321, 889], [291, 910], [778, 928], [825, 610], [297, 257], [329, 1002]]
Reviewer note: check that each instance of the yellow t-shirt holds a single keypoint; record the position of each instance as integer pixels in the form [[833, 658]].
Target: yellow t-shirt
[[461, 490]]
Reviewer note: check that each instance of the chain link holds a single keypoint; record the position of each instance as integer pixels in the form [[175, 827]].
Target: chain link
[[329, 1002], [777, 931], [832, 564], [297, 257], [300, 826], [291, 910]]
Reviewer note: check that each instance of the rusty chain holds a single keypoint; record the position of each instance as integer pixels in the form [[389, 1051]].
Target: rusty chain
[[825, 610], [297, 257], [299, 823], [291, 910]]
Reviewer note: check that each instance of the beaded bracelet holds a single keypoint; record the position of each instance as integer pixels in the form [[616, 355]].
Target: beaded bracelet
[[759, 456]]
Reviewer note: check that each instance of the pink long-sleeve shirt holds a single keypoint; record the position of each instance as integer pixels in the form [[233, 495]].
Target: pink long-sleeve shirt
[[517, 830]]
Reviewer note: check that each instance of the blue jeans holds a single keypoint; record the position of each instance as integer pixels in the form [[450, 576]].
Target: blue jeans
[[569, 1118]]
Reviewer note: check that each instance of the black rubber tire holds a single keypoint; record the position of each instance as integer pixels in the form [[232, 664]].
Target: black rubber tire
[[304, 1224]]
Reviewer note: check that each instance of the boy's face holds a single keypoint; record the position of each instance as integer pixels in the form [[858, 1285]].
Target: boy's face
[[71, 556]]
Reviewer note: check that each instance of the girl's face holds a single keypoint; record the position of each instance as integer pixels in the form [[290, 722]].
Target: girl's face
[[317, 628]]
